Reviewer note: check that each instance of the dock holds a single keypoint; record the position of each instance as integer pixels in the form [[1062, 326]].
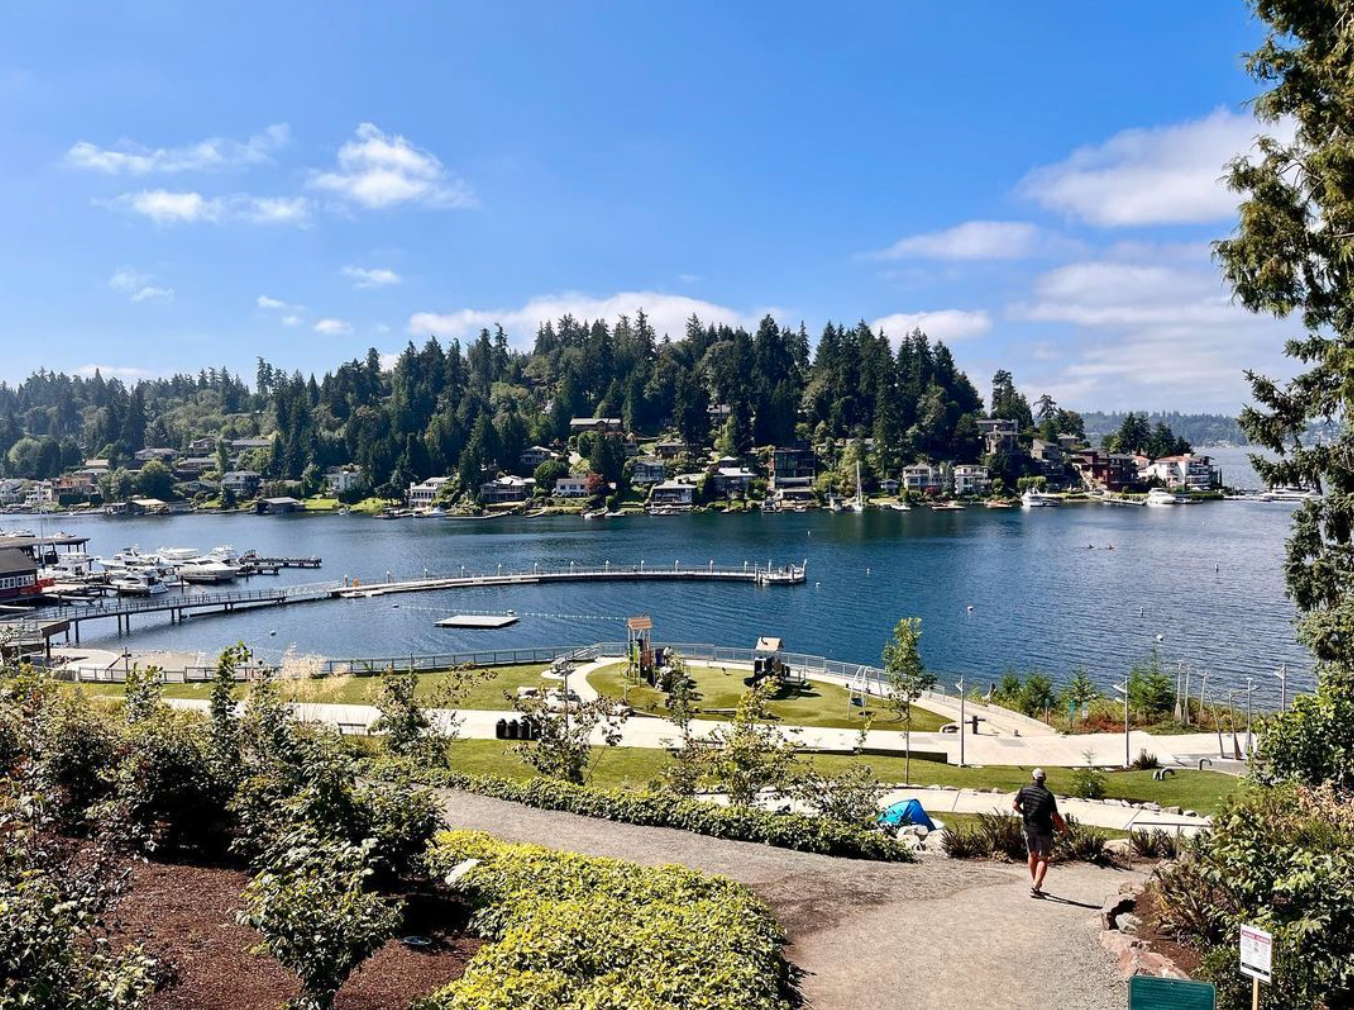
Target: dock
[[482, 621], [40, 625]]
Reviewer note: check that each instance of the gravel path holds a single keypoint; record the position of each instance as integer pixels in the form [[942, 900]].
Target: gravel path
[[874, 936]]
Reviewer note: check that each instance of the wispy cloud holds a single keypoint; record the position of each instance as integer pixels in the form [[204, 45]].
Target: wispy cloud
[[292, 315], [364, 278], [115, 371], [189, 207], [1160, 175], [333, 327], [377, 170], [667, 314], [941, 324], [978, 240], [139, 287], [215, 153]]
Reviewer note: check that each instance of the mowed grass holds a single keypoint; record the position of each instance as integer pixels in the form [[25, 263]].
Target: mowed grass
[[720, 688], [635, 768], [486, 694]]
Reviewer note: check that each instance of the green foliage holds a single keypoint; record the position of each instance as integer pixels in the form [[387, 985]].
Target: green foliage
[[851, 796], [1282, 858], [1151, 691], [665, 809], [572, 931], [1154, 844], [749, 754], [1032, 695], [1080, 690], [1088, 783], [562, 734], [997, 835], [906, 676], [142, 694], [1313, 742], [317, 919]]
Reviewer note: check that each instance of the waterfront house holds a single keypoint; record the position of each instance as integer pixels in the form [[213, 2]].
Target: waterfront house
[[1109, 471], [242, 483], [603, 425], [672, 492], [648, 470], [971, 479], [669, 448], [277, 506], [793, 491], [571, 487], [164, 455], [202, 446], [888, 486], [507, 489], [730, 480], [76, 485], [421, 495], [97, 466], [18, 574], [1049, 458], [534, 456], [1000, 435], [191, 466], [1193, 473], [923, 478], [147, 507], [798, 460], [341, 480], [13, 490], [245, 444]]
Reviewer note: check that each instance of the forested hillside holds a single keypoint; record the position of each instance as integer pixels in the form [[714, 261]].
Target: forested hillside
[[448, 409], [1198, 429]]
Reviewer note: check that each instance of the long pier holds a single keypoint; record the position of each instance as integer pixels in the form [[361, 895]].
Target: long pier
[[46, 622]]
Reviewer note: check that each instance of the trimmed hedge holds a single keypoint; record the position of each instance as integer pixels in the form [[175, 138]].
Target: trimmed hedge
[[801, 832], [570, 931]]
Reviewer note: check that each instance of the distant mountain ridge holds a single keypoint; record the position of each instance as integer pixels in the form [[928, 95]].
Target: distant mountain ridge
[[1197, 429]]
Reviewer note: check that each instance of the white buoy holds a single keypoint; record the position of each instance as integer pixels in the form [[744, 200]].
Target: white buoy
[[970, 608], [394, 606], [816, 585], [1161, 638], [272, 634]]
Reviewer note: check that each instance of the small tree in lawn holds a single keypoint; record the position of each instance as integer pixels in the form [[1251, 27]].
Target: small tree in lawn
[[317, 918], [1079, 692], [142, 694], [412, 725], [907, 678], [750, 755], [561, 747]]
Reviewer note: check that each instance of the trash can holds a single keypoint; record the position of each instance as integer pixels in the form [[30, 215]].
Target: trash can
[[501, 729], [513, 729]]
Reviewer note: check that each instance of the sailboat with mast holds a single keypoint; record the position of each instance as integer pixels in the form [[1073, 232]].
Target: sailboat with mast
[[857, 504]]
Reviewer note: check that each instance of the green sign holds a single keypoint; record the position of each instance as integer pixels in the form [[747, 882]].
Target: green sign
[[1148, 993]]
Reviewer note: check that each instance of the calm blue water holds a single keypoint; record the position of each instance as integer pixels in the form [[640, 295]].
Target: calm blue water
[[1206, 577]]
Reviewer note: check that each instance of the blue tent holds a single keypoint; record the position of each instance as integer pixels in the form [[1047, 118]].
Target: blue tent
[[906, 812]]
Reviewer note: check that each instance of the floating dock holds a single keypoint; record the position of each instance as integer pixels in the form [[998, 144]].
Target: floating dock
[[483, 621]]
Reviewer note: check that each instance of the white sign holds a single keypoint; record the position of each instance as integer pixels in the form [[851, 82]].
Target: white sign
[[1257, 949]]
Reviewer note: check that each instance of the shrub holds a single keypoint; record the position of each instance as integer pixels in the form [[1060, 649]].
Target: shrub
[[317, 919], [1087, 783], [1081, 843], [962, 841], [574, 931], [76, 747], [1003, 834], [1283, 858], [655, 809], [1145, 762], [1154, 844]]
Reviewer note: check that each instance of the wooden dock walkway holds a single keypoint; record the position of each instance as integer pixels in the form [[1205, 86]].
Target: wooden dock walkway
[[46, 622]]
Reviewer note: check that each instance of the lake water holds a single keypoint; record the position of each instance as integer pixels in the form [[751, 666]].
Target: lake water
[[1206, 578]]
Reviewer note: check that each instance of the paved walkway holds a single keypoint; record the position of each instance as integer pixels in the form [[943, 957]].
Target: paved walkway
[[877, 936]]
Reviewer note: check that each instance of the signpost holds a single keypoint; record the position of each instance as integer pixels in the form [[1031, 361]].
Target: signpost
[[1257, 953], [1147, 992]]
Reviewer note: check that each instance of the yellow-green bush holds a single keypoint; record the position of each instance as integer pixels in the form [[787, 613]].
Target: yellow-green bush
[[571, 932]]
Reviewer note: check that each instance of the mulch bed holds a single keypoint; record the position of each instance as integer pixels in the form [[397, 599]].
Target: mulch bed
[[184, 915], [1146, 908]]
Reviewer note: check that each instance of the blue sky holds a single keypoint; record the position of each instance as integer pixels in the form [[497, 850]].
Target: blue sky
[[183, 186]]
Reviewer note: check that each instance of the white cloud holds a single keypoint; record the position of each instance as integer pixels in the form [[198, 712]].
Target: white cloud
[[371, 277], [187, 207], [292, 320], [378, 170], [333, 327], [667, 314], [130, 158], [114, 371], [1160, 175], [264, 302], [139, 287], [943, 324], [977, 240], [1151, 326], [292, 313]]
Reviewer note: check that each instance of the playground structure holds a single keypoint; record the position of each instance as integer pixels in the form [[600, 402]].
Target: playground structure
[[768, 664]]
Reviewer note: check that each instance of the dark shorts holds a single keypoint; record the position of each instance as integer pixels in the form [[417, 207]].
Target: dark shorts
[[1039, 843]]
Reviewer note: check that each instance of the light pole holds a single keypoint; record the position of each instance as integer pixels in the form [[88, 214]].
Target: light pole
[[1231, 719], [1188, 670], [1128, 747], [1250, 689], [960, 685], [1283, 686]]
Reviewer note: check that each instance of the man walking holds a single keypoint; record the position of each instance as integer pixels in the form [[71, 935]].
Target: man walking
[[1039, 808]]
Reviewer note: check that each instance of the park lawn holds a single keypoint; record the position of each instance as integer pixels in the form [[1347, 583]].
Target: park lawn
[[361, 689], [635, 767], [719, 688], [321, 504]]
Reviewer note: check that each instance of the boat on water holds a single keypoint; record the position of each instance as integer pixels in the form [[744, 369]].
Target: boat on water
[[1290, 493], [993, 503], [138, 582], [207, 570], [857, 504], [436, 512], [900, 506], [946, 506], [1032, 499], [1159, 496], [173, 554]]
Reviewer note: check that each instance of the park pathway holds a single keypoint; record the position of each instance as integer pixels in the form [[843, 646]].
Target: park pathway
[[877, 936]]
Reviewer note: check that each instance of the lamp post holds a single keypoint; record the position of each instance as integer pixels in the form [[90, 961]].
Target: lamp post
[[962, 710], [1250, 689], [1283, 686], [1128, 747]]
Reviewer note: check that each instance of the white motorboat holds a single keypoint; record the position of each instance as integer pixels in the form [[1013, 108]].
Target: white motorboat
[[900, 506], [207, 570], [1160, 496], [1290, 493], [134, 582], [1032, 499], [177, 554]]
